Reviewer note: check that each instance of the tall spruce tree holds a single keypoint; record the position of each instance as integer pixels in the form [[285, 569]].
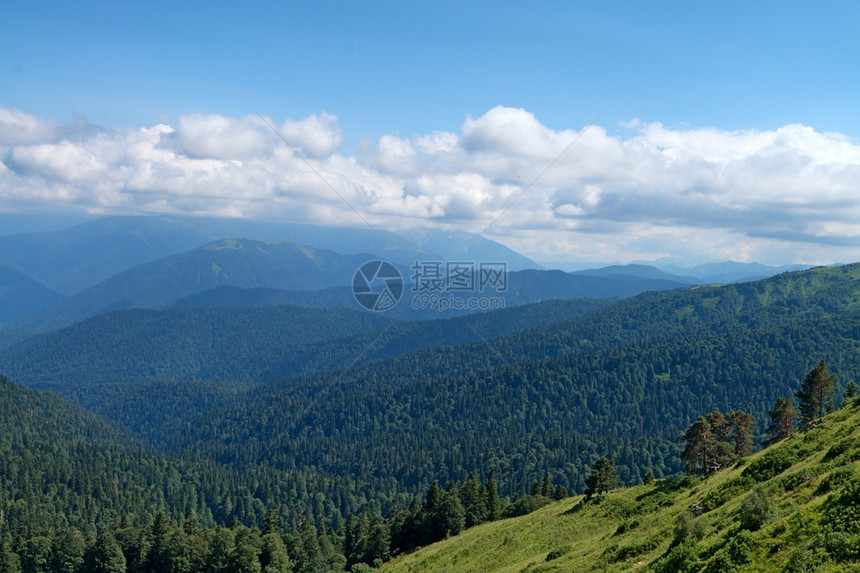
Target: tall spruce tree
[[546, 486], [273, 553], [816, 393], [9, 561], [474, 502], [245, 556]]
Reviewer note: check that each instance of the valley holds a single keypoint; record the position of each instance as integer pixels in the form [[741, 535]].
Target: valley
[[214, 385]]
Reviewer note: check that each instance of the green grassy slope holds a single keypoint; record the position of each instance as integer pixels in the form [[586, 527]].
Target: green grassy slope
[[810, 482]]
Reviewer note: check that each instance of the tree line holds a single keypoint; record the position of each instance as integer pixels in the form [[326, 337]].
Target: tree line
[[716, 441], [185, 546]]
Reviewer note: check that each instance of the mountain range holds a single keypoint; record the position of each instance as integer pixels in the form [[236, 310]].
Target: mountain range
[[203, 388]]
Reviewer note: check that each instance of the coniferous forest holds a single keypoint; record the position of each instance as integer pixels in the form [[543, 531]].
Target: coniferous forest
[[287, 439]]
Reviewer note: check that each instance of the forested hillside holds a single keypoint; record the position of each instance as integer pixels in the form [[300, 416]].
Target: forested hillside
[[64, 467], [792, 508], [624, 379], [386, 411], [525, 418], [21, 294], [175, 344]]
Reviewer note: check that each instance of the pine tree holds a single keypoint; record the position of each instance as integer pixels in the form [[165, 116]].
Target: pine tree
[[719, 426], [434, 497], [272, 521], [360, 539], [221, 544], [704, 453], [603, 477], [9, 561], [349, 537], [452, 514], [190, 525], [165, 553], [783, 418], [816, 393], [741, 432], [36, 555], [307, 557], [378, 546]]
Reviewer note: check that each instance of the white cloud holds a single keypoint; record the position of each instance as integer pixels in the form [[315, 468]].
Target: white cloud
[[767, 195], [219, 137], [20, 128], [316, 135]]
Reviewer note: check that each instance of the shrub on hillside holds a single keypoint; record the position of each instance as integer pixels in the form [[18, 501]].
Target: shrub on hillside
[[803, 560], [733, 554], [848, 445], [682, 558], [524, 505], [836, 479], [843, 512], [770, 465], [795, 480], [840, 546], [557, 552], [732, 488], [687, 527], [756, 509]]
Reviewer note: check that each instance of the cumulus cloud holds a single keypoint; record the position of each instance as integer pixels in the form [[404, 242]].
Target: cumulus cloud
[[316, 135], [772, 195], [20, 128], [219, 137]]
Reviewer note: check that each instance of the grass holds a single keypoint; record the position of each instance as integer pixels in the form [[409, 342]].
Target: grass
[[798, 485]]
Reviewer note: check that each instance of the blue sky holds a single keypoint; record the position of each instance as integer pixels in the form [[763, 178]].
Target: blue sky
[[387, 67], [378, 76]]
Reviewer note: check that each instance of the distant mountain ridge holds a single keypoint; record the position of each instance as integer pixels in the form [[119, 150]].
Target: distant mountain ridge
[[635, 271], [731, 272], [706, 273], [21, 294], [287, 266], [453, 245], [236, 262], [73, 259]]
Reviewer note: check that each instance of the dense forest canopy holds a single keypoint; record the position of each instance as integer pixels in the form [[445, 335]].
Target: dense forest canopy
[[382, 436]]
